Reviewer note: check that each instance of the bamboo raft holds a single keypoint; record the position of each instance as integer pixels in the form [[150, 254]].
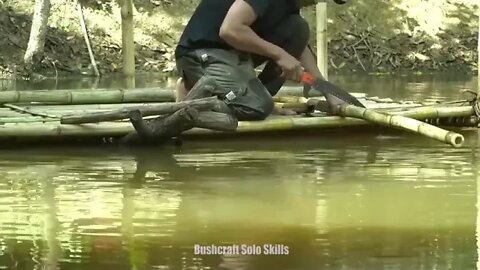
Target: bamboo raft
[[47, 114]]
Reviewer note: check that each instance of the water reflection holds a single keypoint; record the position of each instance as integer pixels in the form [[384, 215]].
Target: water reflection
[[337, 205], [388, 201]]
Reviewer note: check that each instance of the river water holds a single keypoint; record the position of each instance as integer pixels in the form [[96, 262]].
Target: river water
[[349, 201]]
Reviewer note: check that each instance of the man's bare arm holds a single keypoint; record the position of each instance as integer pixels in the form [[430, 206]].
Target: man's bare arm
[[237, 32]]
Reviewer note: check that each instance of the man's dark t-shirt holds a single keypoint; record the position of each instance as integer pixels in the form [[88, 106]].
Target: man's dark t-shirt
[[202, 31]]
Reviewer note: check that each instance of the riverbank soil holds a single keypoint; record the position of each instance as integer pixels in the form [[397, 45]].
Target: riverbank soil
[[373, 36]]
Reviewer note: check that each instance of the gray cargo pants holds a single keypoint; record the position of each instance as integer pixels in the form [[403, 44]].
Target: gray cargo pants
[[247, 95]]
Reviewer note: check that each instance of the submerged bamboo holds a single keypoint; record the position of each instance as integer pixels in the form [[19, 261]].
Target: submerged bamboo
[[403, 122]]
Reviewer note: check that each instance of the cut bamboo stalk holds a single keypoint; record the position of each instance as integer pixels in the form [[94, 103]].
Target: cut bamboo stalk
[[432, 112], [87, 38], [403, 122], [290, 99], [210, 103]]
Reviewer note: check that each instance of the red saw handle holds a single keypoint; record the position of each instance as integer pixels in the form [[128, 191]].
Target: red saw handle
[[308, 78]]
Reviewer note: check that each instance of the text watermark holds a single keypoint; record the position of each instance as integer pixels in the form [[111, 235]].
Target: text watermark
[[266, 249]]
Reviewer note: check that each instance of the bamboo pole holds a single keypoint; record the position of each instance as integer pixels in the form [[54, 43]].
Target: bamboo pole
[[87, 97], [87, 38], [128, 45], [114, 95], [322, 52], [403, 122]]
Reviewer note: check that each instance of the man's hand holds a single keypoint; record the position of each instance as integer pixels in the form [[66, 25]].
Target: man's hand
[[291, 67]]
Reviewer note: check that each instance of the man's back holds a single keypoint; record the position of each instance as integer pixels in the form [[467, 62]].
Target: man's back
[[202, 31]]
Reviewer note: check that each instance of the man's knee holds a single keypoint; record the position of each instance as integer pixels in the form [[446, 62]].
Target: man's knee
[[253, 103]]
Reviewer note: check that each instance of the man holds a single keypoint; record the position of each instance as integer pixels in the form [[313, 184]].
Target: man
[[228, 39]]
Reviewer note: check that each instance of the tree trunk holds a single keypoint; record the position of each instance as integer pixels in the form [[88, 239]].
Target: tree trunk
[[128, 45], [36, 43]]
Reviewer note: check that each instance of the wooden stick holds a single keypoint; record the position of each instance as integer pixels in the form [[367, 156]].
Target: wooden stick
[[87, 38], [210, 103]]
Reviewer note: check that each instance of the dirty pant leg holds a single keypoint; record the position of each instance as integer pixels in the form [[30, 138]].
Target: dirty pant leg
[[239, 87]]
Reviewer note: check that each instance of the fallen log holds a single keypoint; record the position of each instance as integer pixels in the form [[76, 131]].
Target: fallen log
[[211, 103]]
